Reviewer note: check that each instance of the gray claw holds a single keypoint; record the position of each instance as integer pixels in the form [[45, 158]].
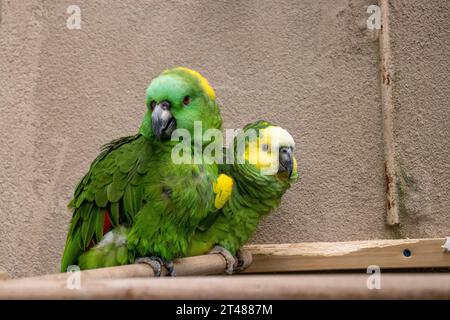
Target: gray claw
[[230, 260], [170, 268], [155, 262], [244, 259]]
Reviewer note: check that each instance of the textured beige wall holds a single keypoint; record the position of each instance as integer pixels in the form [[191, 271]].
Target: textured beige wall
[[311, 66], [421, 52]]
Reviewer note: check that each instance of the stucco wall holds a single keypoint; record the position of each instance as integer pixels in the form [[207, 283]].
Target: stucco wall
[[311, 66], [420, 44]]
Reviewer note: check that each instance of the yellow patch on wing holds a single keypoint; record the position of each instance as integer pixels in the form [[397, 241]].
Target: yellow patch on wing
[[203, 82], [222, 188]]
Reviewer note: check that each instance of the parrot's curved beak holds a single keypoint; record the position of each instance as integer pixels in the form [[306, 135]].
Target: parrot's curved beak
[[286, 164], [163, 122]]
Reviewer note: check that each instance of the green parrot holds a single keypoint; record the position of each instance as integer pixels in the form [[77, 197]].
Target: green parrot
[[254, 188], [244, 191], [134, 193]]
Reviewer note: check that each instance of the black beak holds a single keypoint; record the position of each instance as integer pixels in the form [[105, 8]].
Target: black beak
[[286, 163], [163, 122]]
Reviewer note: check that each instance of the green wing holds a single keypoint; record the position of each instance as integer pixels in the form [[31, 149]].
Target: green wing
[[112, 186]]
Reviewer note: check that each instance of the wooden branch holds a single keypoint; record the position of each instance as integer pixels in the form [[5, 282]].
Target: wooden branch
[[316, 256], [390, 164], [343, 286]]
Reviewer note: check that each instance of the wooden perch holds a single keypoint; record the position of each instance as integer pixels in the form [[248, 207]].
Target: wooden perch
[[325, 286], [200, 265], [314, 256]]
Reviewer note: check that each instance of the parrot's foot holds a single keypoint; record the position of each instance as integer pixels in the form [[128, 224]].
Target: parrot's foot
[[230, 260], [157, 263], [234, 264], [244, 259]]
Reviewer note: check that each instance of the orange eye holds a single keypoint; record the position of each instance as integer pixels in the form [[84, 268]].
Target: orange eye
[[186, 100]]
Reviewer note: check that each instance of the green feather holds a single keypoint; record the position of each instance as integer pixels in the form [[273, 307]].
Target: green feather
[[122, 255], [72, 250], [110, 259], [114, 214], [79, 200], [132, 200], [114, 191], [99, 226], [101, 198], [85, 210], [88, 228], [206, 223]]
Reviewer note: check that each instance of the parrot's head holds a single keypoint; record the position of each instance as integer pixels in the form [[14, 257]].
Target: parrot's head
[[175, 100], [267, 156]]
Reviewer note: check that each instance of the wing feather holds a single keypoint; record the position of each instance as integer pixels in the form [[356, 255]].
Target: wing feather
[[113, 178]]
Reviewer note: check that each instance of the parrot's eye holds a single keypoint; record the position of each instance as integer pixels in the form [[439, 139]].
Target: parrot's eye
[[186, 100], [153, 104]]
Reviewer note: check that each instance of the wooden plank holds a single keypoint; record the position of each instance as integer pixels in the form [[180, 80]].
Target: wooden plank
[[325, 286], [316, 256]]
